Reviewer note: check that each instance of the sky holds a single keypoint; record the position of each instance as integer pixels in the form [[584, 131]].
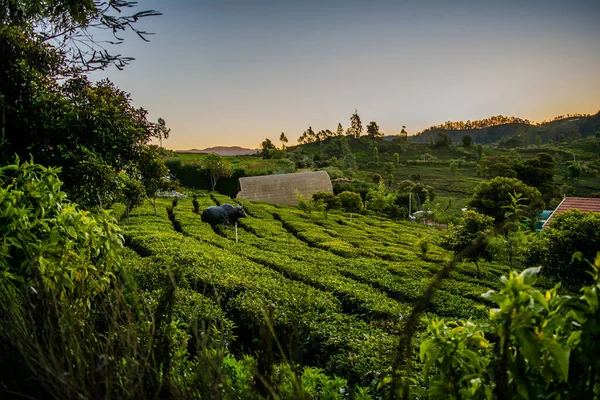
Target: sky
[[232, 73]]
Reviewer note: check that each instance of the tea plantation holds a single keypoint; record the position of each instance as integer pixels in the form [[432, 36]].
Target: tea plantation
[[327, 292]]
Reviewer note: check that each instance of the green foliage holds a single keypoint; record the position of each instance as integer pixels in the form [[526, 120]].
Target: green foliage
[[218, 168], [453, 168], [423, 245], [376, 154], [154, 173], [574, 170], [90, 130], [132, 192], [536, 350], [379, 200], [569, 232], [74, 252], [491, 197], [330, 201], [377, 178], [351, 202], [396, 159], [421, 192], [461, 238], [308, 206], [443, 140], [537, 171], [479, 151], [455, 362]]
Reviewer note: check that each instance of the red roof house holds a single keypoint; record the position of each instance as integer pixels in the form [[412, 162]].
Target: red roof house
[[583, 204]]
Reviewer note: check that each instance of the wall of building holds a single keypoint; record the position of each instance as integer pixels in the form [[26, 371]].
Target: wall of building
[[281, 188]]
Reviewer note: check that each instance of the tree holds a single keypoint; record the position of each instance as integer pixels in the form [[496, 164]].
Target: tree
[[396, 159], [71, 26], [217, 167], [377, 178], [568, 232], [492, 197], [562, 138], [266, 148], [538, 140], [351, 202], [373, 130], [443, 140], [356, 128], [161, 131], [308, 206], [340, 130], [431, 141], [283, 139], [376, 154], [378, 199], [51, 111], [154, 173], [479, 151], [467, 141], [473, 226], [330, 201]]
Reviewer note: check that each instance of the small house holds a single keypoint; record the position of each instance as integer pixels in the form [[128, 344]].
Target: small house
[[583, 204]]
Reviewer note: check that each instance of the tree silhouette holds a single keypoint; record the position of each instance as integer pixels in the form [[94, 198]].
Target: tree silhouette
[[283, 139], [356, 128]]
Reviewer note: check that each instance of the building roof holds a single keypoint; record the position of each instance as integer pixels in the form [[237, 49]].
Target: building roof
[[584, 204], [281, 188]]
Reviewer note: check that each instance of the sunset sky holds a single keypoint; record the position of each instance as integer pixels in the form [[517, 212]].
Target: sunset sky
[[229, 73]]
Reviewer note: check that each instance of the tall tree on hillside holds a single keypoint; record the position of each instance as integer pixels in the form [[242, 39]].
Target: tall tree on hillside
[[403, 132], [283, 139], [266, 147], [538, 140], [356, 127], [340, 130], [373, 130], [396, 159], [161, 131], [218, 168], [376, 154]]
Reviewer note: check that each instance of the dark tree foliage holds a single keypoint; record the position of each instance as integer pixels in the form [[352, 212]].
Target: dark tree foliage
[[356, 127], [493, 198], [473, 225], [70, 26], [538, 171], [50, 110], [266, 148], [373, 130], [443, 140], [569, 232], [467, 140]]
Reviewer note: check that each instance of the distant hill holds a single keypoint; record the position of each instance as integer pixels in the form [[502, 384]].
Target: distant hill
[[521, 132], [224, 150]]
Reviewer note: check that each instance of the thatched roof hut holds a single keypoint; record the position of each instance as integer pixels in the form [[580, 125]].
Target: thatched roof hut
[[281, 188]]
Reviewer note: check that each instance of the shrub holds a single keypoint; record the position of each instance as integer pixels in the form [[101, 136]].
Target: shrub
[[351, 202], [567, 233]]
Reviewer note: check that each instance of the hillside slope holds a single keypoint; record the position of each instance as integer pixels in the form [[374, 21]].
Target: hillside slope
[[572, 127]]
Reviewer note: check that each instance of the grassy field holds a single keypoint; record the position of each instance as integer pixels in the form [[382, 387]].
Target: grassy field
[[336, 288]]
